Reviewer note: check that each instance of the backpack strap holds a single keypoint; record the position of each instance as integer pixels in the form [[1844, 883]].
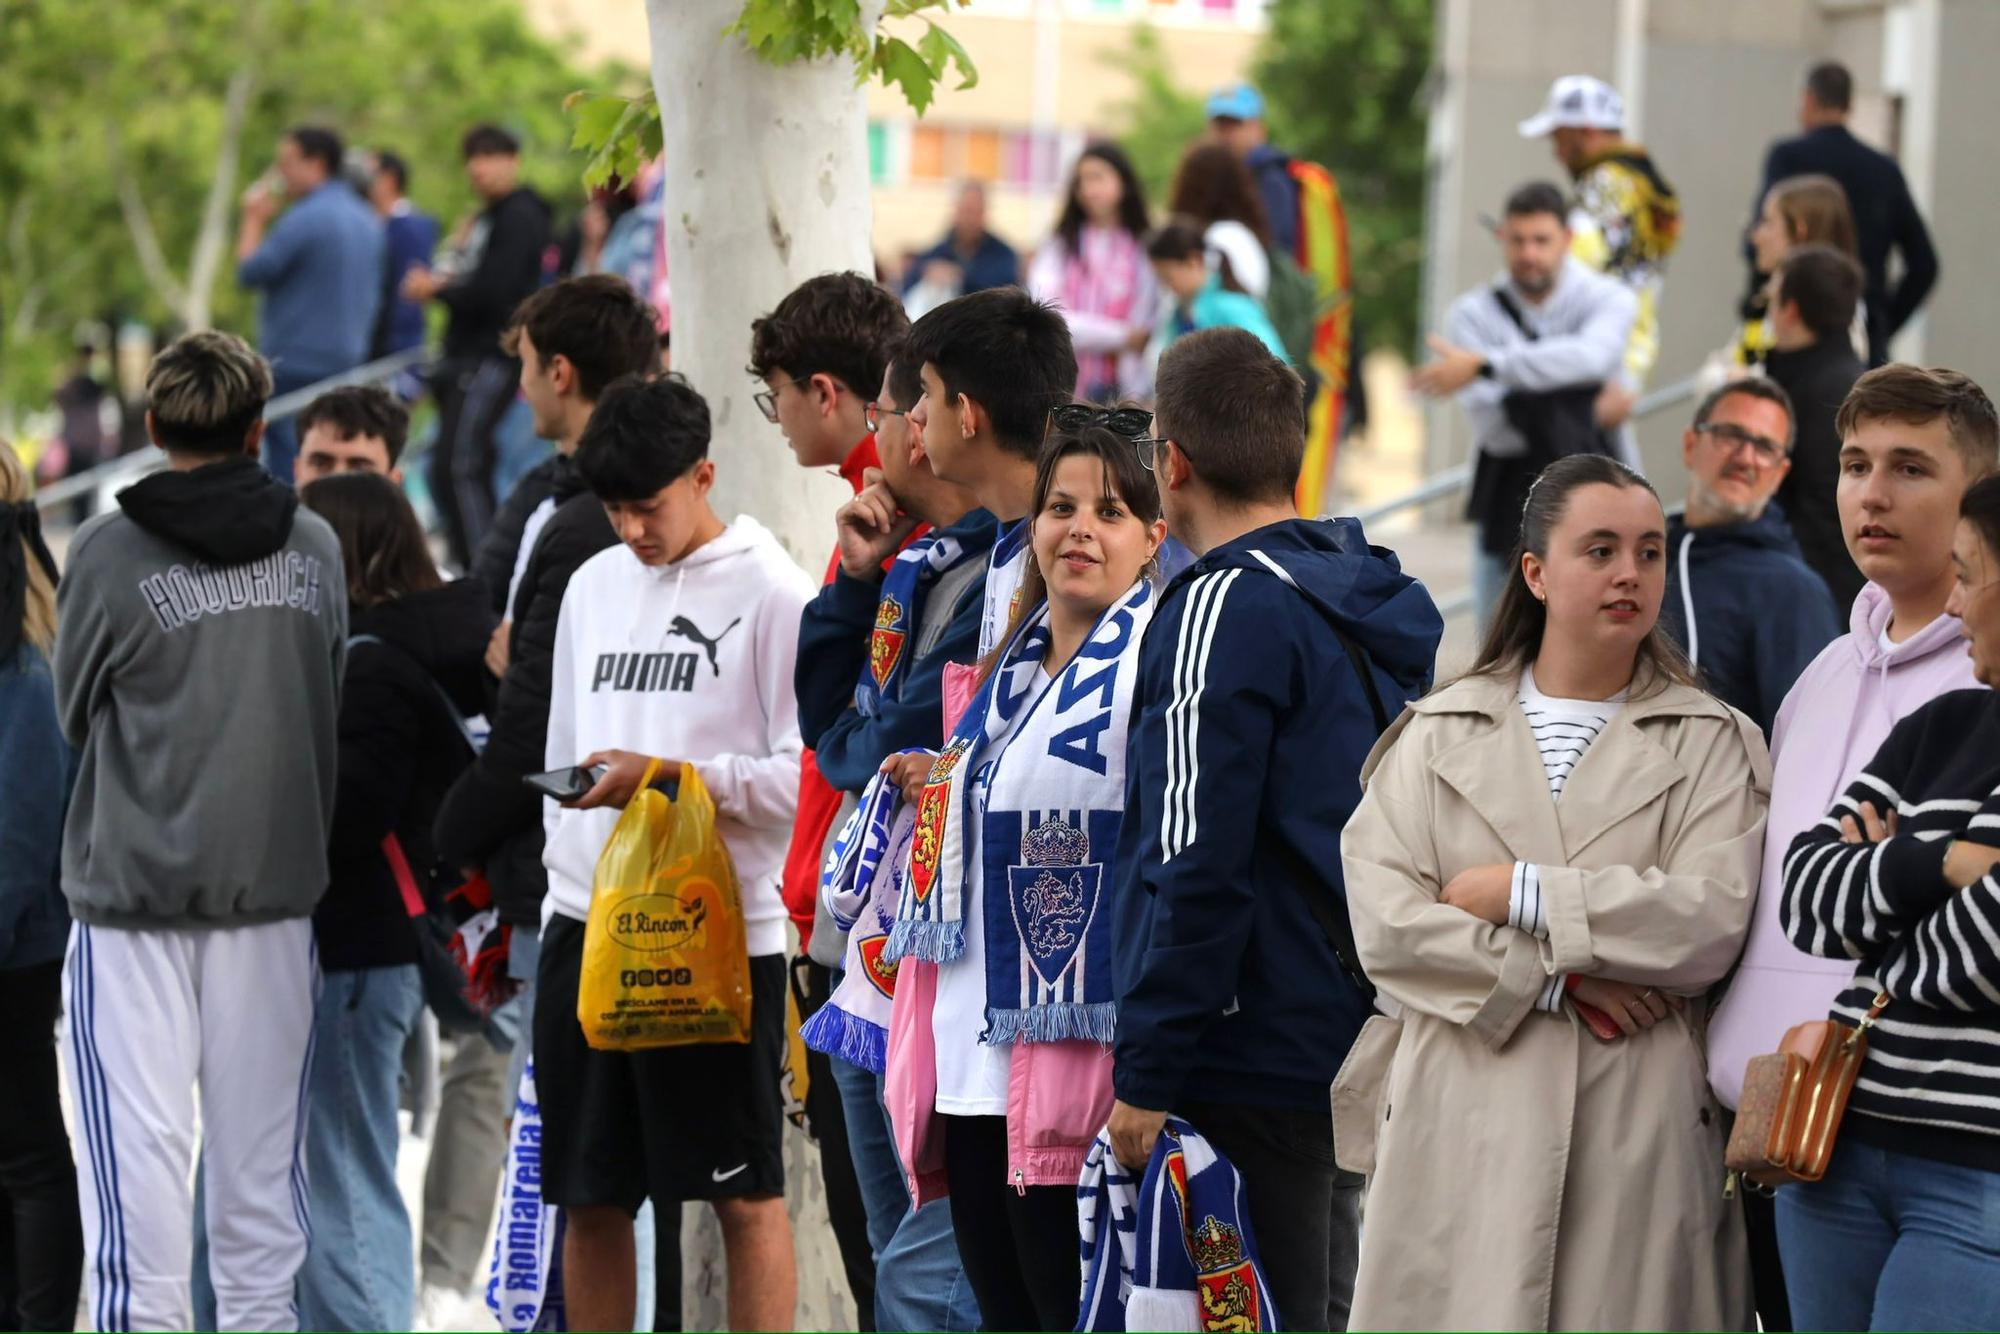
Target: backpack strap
[[1506, 302], [406, 880], [451, 709]]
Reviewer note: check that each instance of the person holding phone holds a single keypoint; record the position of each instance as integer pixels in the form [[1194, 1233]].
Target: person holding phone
[[1571, 831]]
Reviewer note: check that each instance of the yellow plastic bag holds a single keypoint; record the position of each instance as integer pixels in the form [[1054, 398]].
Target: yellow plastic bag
[[664, 959]]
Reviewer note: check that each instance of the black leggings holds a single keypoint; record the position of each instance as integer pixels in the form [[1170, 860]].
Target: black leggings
[[1019, 1247], [41, 1236]]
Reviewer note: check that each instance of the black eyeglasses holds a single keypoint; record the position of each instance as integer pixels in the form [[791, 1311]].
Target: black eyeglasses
[[1734, 437], [767, 400], [1132, 423], [876, 412]]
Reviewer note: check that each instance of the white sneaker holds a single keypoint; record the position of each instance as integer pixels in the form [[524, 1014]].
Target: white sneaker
[[440, 1308]]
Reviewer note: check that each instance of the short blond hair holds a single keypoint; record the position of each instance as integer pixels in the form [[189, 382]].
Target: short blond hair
[[38, 620], [205, 390]]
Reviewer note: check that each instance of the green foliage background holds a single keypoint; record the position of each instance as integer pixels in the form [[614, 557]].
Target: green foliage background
[[409, 75], [1344, 82]]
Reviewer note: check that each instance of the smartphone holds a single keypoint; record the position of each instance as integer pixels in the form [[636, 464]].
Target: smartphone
[[565, 784]]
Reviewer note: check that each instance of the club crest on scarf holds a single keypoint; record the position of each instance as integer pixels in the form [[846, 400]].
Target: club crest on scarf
[[932, 808], [1054, 894], [1225, 1279], [885, 646]]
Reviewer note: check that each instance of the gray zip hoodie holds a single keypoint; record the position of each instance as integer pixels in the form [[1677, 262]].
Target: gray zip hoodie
[[202, 630]]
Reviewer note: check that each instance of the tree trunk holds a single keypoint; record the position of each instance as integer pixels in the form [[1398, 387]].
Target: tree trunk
[[213, 236], [767, 184]]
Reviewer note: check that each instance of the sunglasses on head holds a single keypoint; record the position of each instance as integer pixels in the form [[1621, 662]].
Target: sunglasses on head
[[1132, 423]]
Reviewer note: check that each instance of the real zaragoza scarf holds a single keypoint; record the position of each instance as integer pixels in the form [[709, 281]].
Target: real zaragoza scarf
[[1041, 765], [1183, 1257], [859, 887], [900, 610]]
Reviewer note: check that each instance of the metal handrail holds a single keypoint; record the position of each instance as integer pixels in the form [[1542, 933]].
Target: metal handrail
[[114, 473], [1454, 479]]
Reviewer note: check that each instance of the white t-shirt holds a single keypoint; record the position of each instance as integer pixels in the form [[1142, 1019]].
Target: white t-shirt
[[971, 1076]]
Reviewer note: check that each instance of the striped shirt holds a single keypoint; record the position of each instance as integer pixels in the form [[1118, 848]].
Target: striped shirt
[[1931, 1083], [1563, 730]]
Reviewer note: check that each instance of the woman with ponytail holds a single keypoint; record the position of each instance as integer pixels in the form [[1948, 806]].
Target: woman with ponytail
[[1553, 862]]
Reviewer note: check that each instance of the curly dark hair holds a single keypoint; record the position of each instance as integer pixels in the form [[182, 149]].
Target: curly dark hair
[[841, 324], [357, 410], [597, 321], [1212, 185]]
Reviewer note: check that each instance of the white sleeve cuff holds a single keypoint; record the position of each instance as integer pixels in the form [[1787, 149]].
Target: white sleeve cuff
[[1524, 902], [1551, 998]]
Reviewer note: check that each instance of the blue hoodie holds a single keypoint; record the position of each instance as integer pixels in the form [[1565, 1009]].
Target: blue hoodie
[[1249, 731], [1760, 614]]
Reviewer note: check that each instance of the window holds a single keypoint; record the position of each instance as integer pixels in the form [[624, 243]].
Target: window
[[927, 154], [878, 153], [982, 155]]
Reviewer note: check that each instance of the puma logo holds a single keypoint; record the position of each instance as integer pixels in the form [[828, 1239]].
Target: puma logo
[[687, 629]]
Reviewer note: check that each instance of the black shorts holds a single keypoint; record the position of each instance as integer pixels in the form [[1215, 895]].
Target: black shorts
[[703, 1122]]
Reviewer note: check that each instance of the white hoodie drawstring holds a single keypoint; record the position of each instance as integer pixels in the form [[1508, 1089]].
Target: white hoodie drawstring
[[1687, 602]]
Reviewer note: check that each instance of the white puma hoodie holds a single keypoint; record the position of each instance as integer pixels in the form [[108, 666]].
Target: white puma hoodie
[[690, 661]]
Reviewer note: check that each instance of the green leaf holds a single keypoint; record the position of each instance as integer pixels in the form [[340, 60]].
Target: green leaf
[[939, 48], [901, 65]]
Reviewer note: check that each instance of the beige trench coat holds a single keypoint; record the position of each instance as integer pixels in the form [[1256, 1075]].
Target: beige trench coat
[[1525, 1175]]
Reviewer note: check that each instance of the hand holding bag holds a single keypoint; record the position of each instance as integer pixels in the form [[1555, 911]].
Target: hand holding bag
[[1793, 1100], [665, 963]]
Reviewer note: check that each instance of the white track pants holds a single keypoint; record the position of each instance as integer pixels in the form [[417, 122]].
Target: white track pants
[[153, 1014]]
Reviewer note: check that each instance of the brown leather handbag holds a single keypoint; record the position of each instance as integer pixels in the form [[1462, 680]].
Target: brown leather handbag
[[1793, 1100]]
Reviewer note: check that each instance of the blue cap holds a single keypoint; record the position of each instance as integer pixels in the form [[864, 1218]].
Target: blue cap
[[1239, 101]]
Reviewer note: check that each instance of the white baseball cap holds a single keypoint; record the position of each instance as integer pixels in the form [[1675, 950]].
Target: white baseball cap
[[1577, 102]]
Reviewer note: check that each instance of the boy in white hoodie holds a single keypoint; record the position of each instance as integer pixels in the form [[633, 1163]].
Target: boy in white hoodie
[[677, 643]]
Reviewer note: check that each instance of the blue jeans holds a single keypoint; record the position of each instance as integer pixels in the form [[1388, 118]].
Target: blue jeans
[[359, 1271], [919, 1282], [1890, 1241], [1490, 574], [281, 438]]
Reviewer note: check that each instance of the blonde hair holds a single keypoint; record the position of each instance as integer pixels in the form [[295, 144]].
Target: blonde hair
[[38, 623], [205, 390]]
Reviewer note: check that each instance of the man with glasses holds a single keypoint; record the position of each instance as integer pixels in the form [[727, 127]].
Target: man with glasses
[[822, 353], [1740, 599]]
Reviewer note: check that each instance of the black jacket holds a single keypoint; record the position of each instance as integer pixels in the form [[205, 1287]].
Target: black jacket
[[1818, 378], [399, 751], [1759, 613], [505, 253], [493, 565], [1885, 218], [490, 818]]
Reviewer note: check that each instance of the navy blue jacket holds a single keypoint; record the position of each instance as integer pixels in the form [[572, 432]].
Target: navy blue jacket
[[1759, 613], [410, 239], [37, 769], [1248, 733], [1271, 169], [834, 633], [993, 264]]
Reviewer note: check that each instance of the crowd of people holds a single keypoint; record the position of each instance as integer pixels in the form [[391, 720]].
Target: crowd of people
[[1100, 816]]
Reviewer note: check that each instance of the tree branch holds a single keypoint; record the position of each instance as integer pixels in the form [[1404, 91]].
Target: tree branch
[[146, 241], [214, 232]]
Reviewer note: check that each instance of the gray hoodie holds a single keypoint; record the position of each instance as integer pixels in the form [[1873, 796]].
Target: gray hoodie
[[203, 626]]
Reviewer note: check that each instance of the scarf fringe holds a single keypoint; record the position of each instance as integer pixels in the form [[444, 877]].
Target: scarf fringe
[[931, 941], [1064, 1022], [853, 1039]]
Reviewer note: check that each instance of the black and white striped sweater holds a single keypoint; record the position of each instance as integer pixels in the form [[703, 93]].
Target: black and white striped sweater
[[1931, 1084]]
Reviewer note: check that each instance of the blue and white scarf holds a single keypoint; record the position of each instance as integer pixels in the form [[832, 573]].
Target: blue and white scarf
[[900, 610], [1176, 1253], [1040, 765], [524, 1287], [859, 886]]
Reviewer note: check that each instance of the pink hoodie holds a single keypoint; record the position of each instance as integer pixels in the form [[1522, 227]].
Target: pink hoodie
[[1830, 726]]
